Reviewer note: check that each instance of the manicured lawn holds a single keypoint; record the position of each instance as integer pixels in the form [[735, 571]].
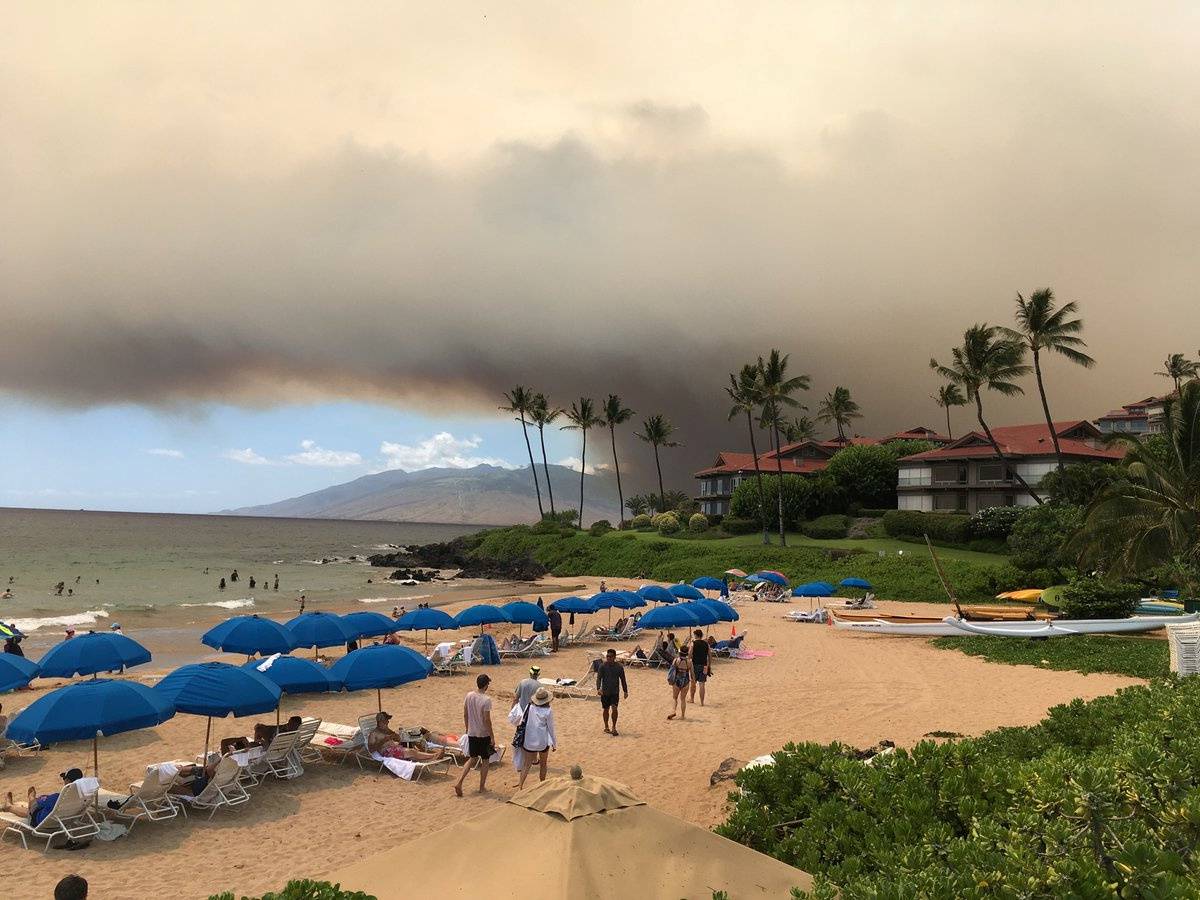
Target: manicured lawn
[[889, 546], [1137, 657]]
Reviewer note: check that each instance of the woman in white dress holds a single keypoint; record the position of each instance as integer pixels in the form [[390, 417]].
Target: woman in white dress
[[539, 737]]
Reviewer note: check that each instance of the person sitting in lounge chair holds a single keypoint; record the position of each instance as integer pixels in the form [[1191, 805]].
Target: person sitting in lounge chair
[[37, 806], [264, 734], [385, 742]]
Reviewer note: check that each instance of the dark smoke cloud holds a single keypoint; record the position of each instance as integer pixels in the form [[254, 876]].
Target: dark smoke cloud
[[648, 264]]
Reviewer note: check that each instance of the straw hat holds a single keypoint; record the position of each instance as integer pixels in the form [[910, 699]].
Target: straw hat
[[541, 698]]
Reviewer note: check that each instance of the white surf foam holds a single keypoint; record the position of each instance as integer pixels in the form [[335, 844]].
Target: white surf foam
[[226, 604], [395, 601], [74, 620]]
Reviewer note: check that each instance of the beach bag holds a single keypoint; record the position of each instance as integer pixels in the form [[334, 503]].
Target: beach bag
[[519, 735]]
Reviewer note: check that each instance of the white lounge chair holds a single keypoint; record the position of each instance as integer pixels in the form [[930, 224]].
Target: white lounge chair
[[304, 751], [71, 818], [148, 799], [8, 745], [277, 759], [454, 664], [351, 738], [223, 790], [367, 723]]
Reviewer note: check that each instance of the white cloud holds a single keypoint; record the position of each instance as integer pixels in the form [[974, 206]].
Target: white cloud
[[443, 450], [572, 463], [163, 451], [312, 455], [247, 456]]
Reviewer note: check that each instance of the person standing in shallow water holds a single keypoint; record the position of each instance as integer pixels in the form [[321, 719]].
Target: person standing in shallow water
[[221, 584], [276, 582], [251, 582]]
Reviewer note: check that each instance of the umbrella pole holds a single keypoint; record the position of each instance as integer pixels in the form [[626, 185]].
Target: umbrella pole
[[379, 699], [426, 638], [207, 735], [95, 757]]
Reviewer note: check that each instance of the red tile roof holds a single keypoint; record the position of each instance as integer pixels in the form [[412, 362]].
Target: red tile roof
[[917, 433], [1022, 440], [731, 463]]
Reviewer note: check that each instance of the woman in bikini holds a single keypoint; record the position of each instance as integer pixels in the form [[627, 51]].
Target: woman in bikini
[[679, 675]]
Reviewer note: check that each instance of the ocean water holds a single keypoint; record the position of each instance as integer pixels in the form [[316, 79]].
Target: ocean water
[[163, 570]]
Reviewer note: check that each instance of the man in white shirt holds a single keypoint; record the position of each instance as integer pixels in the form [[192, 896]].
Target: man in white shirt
[[477, 719]]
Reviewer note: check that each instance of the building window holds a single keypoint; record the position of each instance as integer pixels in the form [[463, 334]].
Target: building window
[[991, 471], [949, 502]]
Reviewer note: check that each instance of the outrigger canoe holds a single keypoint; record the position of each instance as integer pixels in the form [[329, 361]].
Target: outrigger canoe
[[1068, 627], [971, 613]]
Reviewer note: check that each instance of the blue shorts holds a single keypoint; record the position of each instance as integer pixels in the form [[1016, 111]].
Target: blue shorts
[[699, 672]]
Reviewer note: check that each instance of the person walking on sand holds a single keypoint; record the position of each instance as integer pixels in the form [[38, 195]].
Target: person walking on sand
[[539, 737], [701, 665], [477, 718], [555, 618], [678, 676], [610, 676]]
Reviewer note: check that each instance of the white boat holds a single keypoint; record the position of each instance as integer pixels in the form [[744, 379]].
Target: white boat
[[1068, 627], [880, 626]]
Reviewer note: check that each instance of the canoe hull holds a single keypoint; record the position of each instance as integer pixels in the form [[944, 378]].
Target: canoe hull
[[910, 629], [1068, 627]]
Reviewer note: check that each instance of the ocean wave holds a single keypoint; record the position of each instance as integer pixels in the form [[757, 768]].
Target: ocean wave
[[395, 601], [74, 620], [226, 604]]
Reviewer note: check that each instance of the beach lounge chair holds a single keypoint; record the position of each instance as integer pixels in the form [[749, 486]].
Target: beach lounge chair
[[277, 759], [223, 790], [520, 648], [454, 664], [8, 745], [70, 819], [416, 767], [582, 636], [304, 751], [628, 629], [351, 741], [148, 799]]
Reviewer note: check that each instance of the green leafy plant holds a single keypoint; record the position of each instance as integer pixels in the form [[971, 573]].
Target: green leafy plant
[[1039, 537], [994, 522], [1133, 656], [949, 527], [1089, 597], [666, 523], [698, 523], [304, 890], [827, 527], [599, 527], [641, 520]]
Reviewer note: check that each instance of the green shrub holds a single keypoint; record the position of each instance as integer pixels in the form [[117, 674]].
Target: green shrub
[[1088, 597], [803, 498], [1040, 534], [1100, 799], [827, 527], [562, 517], [641, 520], [1080, 483], [666, 523], [875, 513], [948, 527], [738, 525], [698, 523], [866, 473], [994, 522], [599, 527], [304, 890]]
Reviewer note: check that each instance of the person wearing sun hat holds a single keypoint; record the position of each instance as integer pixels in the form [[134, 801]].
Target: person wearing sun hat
[[526, 688], [538, 738]]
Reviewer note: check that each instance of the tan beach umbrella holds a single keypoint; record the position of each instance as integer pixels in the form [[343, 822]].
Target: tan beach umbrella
[[572, 837]]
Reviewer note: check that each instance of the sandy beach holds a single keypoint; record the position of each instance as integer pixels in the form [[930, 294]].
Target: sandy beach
[[820, 685]]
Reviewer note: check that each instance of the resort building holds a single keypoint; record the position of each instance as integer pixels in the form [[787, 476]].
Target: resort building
[[966, 476], [1132, 418], [918, 433]]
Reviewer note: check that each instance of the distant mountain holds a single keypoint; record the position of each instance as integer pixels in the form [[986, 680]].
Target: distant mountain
[[483, 495]]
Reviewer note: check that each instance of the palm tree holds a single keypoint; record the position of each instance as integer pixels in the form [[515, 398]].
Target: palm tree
[[801, 428], [745, 392], [1042, 327], [637, 504], [1177, 367], [1151, 516], [837, 407], [520, 401], [949, 395], [989, 359], [542, 414], [615, 414], [583, 418], [657, 432], [777, 390]]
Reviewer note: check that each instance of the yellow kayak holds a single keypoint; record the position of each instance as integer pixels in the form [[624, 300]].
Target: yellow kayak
[[1026, 595]]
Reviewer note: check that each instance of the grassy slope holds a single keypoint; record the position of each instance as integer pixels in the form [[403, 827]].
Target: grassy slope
[[1136, 657], [633, 555]]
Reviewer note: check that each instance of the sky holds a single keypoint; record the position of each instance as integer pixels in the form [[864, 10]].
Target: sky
[[305, 233]]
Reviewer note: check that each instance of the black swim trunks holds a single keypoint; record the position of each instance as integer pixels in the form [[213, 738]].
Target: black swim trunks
[[607, 700], [479, 747]]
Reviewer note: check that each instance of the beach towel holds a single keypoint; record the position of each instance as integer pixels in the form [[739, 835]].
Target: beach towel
[[87, 786], [753, 654], [268, 662], [401, 768], [110, 831], [334, 742]]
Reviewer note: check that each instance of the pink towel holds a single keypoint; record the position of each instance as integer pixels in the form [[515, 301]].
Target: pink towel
[[333, 742]]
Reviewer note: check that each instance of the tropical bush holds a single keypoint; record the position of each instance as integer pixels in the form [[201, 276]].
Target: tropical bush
[[562, 517], [995, 522], [875, 513], [666, 523], [1040, 535], [739, 525], [1100, 799], [830, 526], [950, 528], [698, 523], [641, 520], [1088, 597], [304, 890], [1080, 483], [803, 498], [599, 527]]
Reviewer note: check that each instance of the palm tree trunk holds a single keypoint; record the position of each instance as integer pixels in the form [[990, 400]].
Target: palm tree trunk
[[779, 471], [662, 499], [616, 465], [533, 468], [1037, 371], [949, 433], [582, 472], [999, 452], [762, 501], [546, 467], [841, 432]]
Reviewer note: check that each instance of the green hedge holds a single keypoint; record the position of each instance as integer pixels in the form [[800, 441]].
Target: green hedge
[[738, 525], [875, 513], [304, 890], [1097, 598], [1100, 799], [950, 527], [827, 527]]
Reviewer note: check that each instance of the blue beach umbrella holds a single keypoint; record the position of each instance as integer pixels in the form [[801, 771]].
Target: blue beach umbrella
[[813, 589], [576, 605], [524, 613], [725, 612], [16, 671], [685, 592], [385, 665], [319, 629], [855, 583], [773, 577], [250, 635], [656, 594], [627, 600], [705, 615], [89, 654], [603, 600], [481, 614], [89, 710], [369, 624], [708, 583], [426, 620], [669, 617], [294, 674], [218, 689]]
